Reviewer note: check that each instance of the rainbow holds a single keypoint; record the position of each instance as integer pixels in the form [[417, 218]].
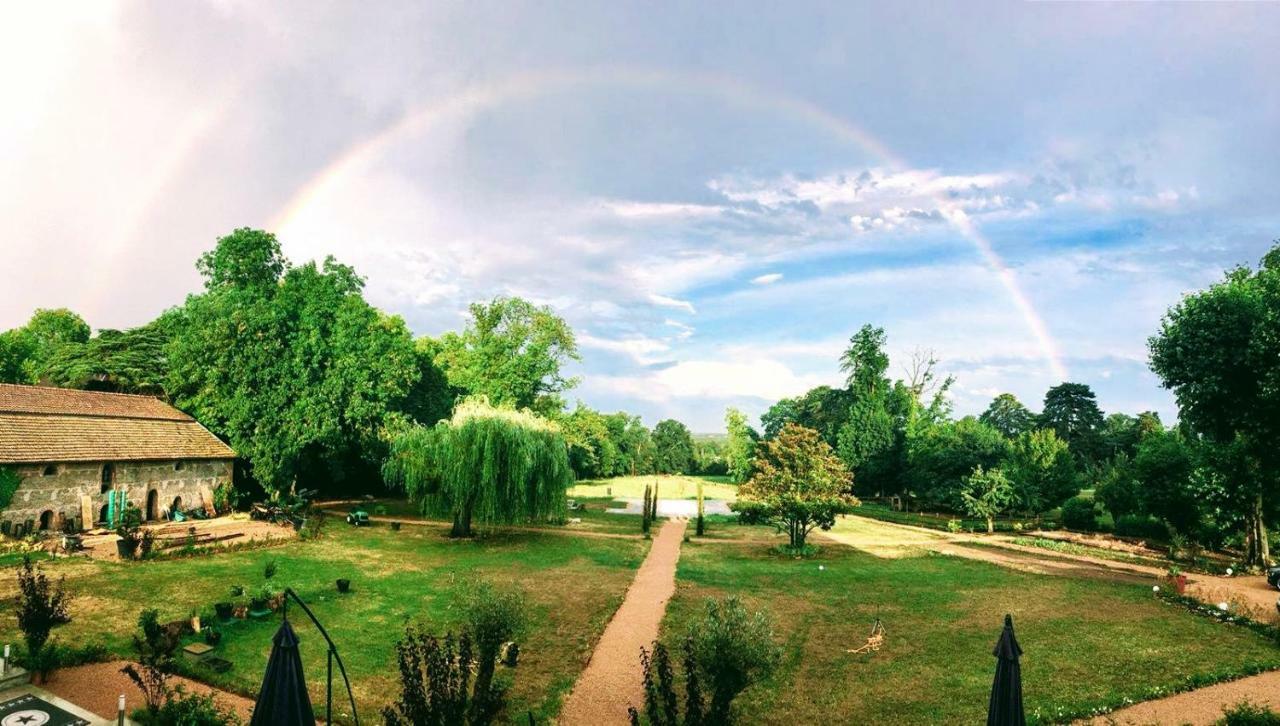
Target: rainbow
[[357, 157]]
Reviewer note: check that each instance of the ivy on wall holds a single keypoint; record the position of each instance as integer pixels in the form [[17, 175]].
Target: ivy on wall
[[9, 481]]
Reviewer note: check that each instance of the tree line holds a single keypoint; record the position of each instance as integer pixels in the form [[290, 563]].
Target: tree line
[[310, 384], [1210, 479]]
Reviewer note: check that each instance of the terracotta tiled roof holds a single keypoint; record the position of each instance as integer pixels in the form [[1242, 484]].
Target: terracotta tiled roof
[[39, 425]]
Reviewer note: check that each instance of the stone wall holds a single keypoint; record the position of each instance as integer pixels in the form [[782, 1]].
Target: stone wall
[[72, 492]]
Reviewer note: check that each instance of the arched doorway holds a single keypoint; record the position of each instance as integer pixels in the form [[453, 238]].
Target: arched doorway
[[175, 507], [153, 505], [46, 520], [102, 513], [108, 478]]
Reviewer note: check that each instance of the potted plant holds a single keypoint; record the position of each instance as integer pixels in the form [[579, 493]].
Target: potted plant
[[261, 601], [1178, 579], [395, 526], [212, 636], [130, 533], [344, 585], [224, 610], [237, 590]]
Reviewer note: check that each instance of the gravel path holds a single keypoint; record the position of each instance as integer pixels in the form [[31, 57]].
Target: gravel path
[[1200, 707], [612, 680], [96, 687]]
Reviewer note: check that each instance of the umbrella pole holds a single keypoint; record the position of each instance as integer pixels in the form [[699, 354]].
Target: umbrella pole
[[328, 689]]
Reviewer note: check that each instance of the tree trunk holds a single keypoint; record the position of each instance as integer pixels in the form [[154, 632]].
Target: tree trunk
[[462, 523], [1257, 550], [991, 526]]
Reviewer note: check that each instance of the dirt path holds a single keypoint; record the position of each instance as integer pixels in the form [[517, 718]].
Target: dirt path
[[96, 687], [612, 680], [1200, 707]]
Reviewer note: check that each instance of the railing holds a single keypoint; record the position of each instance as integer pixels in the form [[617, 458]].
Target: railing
[[333, 655]]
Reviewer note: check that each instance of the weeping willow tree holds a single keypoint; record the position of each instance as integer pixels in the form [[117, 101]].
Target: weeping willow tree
[[484, 464]]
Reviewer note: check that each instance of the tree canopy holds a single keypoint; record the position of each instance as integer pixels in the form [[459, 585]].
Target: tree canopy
[[513, 352], [672, 447], [290, 364], [1218, 350], [799, 485], [485, 465], [1007, 415], [1071, 410], [24, 351]]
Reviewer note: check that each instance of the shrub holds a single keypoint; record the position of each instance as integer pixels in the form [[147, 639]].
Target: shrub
[[1080, 513], [435, 683], [130, 531], [1136, 525], [492, 618], [726, 651], [1247, 714], [41, 607], [732, 649], [154, 645], [187, 709]]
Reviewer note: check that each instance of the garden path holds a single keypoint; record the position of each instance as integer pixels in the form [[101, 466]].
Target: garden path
[[613, 680], [1200, 707]]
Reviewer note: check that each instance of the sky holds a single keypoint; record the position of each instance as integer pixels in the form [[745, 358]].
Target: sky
[[715, 196]]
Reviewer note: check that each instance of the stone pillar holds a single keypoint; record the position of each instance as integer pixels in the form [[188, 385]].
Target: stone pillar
[[206, 500]]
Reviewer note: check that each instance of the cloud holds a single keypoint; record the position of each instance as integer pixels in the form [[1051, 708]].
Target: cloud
[[768, 279], [763, 379], [671, 302]]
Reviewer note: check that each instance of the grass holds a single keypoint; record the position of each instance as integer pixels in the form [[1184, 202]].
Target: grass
[[573, 585], [1089, 645], [670, 486]]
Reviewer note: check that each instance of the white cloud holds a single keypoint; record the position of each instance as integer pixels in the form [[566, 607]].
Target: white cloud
[[768, 279], [650, 210], [765, 379], [671, 302], [639, 348]]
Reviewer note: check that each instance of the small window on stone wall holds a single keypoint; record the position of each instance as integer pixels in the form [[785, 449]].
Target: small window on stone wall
[[51, 470], [179, 465]]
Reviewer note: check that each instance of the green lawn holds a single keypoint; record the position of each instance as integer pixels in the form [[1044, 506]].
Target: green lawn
[[1087, 644], [573, 585], [669, 487]]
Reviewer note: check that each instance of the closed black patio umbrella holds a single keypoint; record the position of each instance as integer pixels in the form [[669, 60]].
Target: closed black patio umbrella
[[1005, 708], [283, 700]]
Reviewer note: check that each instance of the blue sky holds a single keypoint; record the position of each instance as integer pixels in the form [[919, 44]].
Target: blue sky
[[714, 195]]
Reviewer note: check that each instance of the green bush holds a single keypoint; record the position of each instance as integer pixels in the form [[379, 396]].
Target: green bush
[[187, 709], [1247, 714], [1137, 525], [9, 481], [41, 606], [1080, 513], [732, 649]]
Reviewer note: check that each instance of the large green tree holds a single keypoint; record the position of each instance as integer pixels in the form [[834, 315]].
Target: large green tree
[[864, 362], [1218, 350], [1071, 410], [593, 453], [740, 445], [672, 447], [25, 351], [289, 363], [121, 361], [1041, 469], [799, 485], [1163, 469], [513, 352], [940, 456], [1007, 415], [484, 465]]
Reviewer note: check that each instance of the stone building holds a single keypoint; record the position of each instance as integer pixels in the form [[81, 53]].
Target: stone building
[[82, 455]]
